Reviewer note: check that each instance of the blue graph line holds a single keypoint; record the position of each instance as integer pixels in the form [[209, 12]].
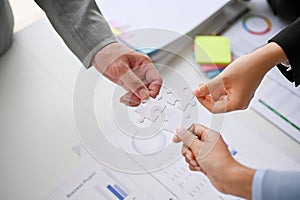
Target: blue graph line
[[116, 180], [120, 190], [115, 192]]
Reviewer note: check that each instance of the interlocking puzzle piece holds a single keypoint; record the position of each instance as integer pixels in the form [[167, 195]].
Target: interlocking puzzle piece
[[167, 96], [147, 109], [183, 119], [170, 98], [188, 116], [156, 112], [152, 108], [176, 111], [187, 99], [170, 111], [172, 122]]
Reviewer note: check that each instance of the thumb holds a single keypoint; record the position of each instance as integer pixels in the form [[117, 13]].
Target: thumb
[[207, 136], [201, 91], [209, 87]]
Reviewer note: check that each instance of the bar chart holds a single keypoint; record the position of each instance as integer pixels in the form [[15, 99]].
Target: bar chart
[[94, 181], [117, 188]]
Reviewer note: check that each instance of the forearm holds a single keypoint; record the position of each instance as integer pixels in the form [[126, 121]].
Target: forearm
[[267, 57], [80, 24]]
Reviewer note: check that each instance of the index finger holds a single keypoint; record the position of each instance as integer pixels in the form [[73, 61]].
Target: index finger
[[133, 83], [153, 79], [209, 87]]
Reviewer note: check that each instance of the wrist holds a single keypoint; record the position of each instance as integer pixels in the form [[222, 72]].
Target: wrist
[[240, 181], [108, 55], [268, 56]]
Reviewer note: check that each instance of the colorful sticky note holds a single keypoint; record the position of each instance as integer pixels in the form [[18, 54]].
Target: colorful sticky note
[[214, 73], [206, 67], [212, 50]]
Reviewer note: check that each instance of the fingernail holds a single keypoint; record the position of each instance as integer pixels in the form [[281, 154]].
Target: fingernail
[[194, 163], [144, 93], [198, 168]]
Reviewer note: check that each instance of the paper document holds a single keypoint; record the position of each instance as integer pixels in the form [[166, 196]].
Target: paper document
[[136, 20], [279, 102], [93, 181], [254, 29], [253, 150]]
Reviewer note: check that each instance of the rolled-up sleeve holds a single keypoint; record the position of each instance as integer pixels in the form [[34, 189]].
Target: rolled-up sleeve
[[81, 26]]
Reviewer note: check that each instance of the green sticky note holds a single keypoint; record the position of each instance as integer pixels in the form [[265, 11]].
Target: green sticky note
[[212, 50]]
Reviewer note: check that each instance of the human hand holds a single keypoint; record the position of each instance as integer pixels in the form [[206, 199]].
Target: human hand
[[205, 150], [132, 70], [234, 88]]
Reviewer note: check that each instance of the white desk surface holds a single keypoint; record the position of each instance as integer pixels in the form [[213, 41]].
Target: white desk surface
[[37, 76]]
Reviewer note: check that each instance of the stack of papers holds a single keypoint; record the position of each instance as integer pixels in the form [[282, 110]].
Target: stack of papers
[[153, 26]]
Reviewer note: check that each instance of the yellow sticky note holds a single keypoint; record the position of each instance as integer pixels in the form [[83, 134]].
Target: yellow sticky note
[[212, 50]]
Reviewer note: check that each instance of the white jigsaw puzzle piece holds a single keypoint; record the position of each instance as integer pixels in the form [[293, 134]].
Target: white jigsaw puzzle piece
[[157, 112], [180, 119], [146, 109], [172, 123], [188, 99], [170, 111], [188, 116], [170, 98], [176, 111]]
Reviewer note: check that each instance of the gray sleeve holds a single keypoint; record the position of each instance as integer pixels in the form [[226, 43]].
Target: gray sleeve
[[81, 26], [281, 185], [6, 26]]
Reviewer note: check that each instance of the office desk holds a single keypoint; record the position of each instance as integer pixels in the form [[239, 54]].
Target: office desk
[[37, 77], [37, 128]]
